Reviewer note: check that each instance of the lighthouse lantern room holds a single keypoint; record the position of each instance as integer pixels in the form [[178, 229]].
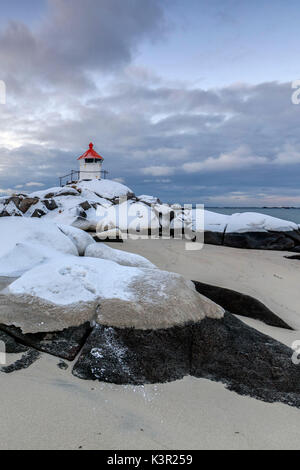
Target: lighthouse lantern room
[[90, 167], [90, 164]]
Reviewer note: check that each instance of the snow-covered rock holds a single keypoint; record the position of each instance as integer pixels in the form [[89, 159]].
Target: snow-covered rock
[[10, 209], [99, 205], [214, 222], [255, 222], [50, 192], [106, 189], [69, 291], [149, 200], [100, 250], [134, 217], [25, 243], [81, 239]]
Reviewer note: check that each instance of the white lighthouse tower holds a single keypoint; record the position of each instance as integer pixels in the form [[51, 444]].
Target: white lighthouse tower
[[90, 165]]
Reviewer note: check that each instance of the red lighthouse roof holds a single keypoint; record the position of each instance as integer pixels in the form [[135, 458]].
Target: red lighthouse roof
[[91, 153]]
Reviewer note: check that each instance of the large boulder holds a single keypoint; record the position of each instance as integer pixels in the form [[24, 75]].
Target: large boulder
[[106, 189], [224, 350], [70, 291], [27, 202], [259, 240]]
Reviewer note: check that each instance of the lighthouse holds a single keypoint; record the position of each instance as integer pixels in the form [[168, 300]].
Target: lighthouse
[[90, 168], [90, 164]]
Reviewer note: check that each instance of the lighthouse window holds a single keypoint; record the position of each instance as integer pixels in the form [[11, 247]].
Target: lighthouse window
[[89, 160]]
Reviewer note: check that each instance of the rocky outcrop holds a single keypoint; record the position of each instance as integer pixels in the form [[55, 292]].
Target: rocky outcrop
[[131, 356], [223, 350], [240, 304], [27, 202], [50, 204], [65, 344], [293, 257], [27, 359], [260, 240], [38, 213]]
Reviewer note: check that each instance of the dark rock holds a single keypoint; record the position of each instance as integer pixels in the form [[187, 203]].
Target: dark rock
[[29, 358], [225, 350], [50, 204], [16, 200], [4, 214], [11, 345], [85, 205], [130, 356], [38, 213], [62, 365], [247, 361], [69, 192], [49, 195], [81, 213], [259, 240], [293, 257], [240, 304], [213, 238], [65, 344], [296, 249], [27, 202], [294, 235]]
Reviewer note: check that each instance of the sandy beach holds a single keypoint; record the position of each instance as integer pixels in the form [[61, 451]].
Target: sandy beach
[[44, 407]]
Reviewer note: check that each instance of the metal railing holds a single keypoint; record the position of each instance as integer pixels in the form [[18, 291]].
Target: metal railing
[[74, 176]]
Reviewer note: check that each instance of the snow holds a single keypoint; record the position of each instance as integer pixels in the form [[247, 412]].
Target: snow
[[41, 194], [56, 288], [214, 222], [39, 205], [254, 222], [245, 222], [148, 199], [69, 210], [73, 280], [12, 209], [80, 238], [92, 198], [144, 213], [100, 250], [130, 216], [26, 242], [106, 189]]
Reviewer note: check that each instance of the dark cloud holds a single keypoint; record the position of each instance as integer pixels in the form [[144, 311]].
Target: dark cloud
[[77, 38], [237, 143]]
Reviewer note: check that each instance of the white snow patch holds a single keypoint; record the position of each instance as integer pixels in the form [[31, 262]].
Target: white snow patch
[[72, 280], [106, 189], [80, 238], [100, 250], [26, 242]]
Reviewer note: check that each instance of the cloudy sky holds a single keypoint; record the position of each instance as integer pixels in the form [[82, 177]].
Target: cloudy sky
[[190, 101]]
